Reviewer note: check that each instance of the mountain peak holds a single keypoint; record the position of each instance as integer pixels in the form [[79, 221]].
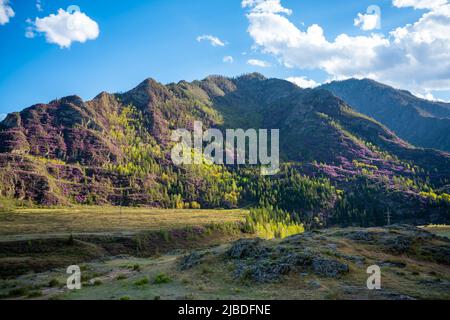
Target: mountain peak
[[252, 76], [73, 99], [147, 84]]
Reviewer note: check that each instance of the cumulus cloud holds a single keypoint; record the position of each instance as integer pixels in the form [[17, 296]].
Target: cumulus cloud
[[214, 41], [6, 12], [416, 56], [258, 63], [265, 6], [228, 59], [419, 4], [2, 116], [427, 96], [64, 28], [367, 22], [303, 82]]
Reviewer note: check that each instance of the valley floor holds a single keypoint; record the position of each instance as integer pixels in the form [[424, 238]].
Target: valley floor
[[197, 254], [23, 224]]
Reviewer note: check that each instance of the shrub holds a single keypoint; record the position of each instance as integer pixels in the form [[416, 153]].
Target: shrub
[[98, 282], [121, 277], [54, 283], [135, 267], [162, 278], [34, 294], [141, 282], [195, 205]]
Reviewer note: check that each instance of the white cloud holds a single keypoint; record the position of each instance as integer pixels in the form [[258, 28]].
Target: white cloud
[[29, 33], [303, 82], [39, 6], [429, 96], [419, 4], [258, 63], [6, 12], [265, 6], [367, 22], [415, 57], [2, 116], [228, 59], [214, 41], [64, 28]]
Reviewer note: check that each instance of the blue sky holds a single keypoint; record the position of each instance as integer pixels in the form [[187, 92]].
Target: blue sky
[[158, 38]]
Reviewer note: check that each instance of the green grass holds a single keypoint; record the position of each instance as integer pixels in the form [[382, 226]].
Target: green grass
[[141, 282], [161, 278], [440, 230], [21, 223]]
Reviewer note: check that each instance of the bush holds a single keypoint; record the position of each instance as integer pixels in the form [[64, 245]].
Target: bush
[[121, 277], [195, 205], [98, 282], [141, 282], [135, 267], [162, 278], [54, 283]]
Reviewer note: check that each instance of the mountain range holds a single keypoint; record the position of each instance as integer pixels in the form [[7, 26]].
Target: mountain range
[[421, 122], [339, 166]]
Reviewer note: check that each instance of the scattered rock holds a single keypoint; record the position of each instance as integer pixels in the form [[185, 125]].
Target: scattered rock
[[329, 268], [436, 283], [440, 254], [396, 296], [361, 236], [332, 246], [398, 245], [360, 261], [262, 273], [297, 259], [315, 284], [246, 249], [392, 264], [190, 261]]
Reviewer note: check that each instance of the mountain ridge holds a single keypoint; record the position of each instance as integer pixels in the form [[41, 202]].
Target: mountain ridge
[[421, 122], [342, 166]]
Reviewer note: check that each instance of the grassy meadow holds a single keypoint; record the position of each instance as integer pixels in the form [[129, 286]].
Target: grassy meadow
[[29, 223], [440, 230]]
